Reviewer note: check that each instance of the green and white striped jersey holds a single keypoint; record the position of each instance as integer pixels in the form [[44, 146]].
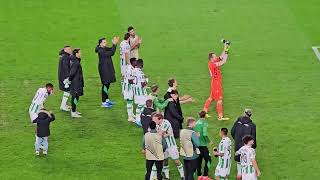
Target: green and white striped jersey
[[247, 154], [225, 148], [168, 136], [139, 78]]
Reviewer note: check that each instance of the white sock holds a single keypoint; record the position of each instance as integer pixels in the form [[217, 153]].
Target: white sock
[[238, 169], [139, 110], [64, 99], [180, 169], [165, 170], [129, 107]]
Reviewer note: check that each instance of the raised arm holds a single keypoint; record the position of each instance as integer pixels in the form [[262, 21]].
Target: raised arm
[[223, 56]]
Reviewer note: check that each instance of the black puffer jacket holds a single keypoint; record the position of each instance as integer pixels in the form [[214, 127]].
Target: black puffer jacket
[[242, 127], [63, 69], [106, 68], [172, 114], [43, 123], [76, 77]]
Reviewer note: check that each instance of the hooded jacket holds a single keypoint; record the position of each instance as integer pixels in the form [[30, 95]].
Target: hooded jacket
[[63, 69], [43, 123], [76, 77], [106, 69], [242, 127]]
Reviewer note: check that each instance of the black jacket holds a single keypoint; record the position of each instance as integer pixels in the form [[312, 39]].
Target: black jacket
[[146, 118], [76, 77], [106, 69], [167, 96], [242, 127], [43, 123], [63, 68], [172, 114]]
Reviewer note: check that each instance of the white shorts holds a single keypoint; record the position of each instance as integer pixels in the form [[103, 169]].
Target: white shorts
[[33, 111], [172, 153], [222, 172], [123, 67], [249, 176], [127, 91]]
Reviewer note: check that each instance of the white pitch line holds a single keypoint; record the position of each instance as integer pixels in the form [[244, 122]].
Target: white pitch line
[[316, 51]]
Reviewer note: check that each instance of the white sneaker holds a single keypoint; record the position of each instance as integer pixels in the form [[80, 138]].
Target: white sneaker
[[79, 113], [131, 119], [75, 115], [65, 108], [45, 153], [37, 153]]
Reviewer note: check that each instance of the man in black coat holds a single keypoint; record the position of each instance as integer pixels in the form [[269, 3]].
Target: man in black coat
[[242, 127], [63, 74], [173, 114], [43, 130], [106, 69], [146, 115], [77, 82]]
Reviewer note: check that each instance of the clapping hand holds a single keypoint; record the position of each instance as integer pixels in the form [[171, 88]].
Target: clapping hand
[[115, 40]]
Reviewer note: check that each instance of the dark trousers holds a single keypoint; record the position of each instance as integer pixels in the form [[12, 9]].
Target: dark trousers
[[204, 154], [159, 165], [74, 103], [105, 92], [190, 167]]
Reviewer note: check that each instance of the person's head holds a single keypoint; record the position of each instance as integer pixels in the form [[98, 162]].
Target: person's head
[[174, 94], [248, 113], [67, 49], [149, 103], [139, 63], [202, 114], [248, 140], [212, 56], [131, 31], [191, 122], [126, 36], [155, 89], [152, 125], [102, 42], [172, 83], [76, 52], [157, 117], [223, 132], [49, 88], [133, 62]]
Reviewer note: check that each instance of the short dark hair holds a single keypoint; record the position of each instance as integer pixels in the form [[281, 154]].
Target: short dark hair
[[130, 28], [152, 125], [224, 131], [49, 85], [202, 114], [158, 116], [171, 81], [210, 55], [139, 62], [149, 103], [126, 36], [154, 88], [100, 40], [190, 120], [133, 61], [153, 114], [247, 138], [75, 51], [65, 46], [174, 92]]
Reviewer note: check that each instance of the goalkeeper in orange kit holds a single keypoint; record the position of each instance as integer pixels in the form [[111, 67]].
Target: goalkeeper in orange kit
[[216, 80]]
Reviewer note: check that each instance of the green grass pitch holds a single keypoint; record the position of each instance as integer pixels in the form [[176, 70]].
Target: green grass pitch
[[271, 69]]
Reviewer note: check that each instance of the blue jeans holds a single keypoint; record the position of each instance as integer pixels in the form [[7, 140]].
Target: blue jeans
[[41, 141]]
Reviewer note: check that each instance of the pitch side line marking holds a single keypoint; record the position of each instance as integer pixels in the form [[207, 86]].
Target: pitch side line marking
[[316, 51]]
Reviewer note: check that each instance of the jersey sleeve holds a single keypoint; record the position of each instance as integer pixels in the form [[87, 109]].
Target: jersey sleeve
[[222, 147], [252, 154]]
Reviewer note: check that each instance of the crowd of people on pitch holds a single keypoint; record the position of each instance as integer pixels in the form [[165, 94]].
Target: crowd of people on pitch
[[160, 118]]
